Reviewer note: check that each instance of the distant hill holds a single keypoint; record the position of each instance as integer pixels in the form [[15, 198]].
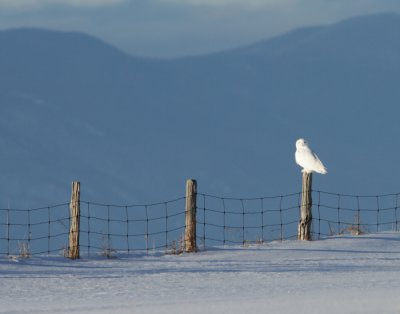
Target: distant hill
[[133, 129]]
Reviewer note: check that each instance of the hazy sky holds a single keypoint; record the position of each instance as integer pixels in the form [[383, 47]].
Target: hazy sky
[[170, 28]]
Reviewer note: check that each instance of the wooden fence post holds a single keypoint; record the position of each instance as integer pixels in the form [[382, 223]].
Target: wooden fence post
[[190, 212], [73, 246], [304, 230]]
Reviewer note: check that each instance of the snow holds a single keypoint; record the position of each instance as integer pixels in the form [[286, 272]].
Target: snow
[[342, 274]]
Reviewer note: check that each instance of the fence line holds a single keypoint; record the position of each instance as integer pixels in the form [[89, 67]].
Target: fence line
[[128, 228], [125, 229]]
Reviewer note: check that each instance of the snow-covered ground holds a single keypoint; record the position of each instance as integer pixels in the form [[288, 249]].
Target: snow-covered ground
[[343, 274]]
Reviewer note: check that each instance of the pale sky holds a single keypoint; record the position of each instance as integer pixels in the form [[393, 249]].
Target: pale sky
[[171, 28]]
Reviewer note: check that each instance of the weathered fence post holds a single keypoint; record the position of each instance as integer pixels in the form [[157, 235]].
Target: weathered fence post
[[73, 246], [190, 212], [304, 230]]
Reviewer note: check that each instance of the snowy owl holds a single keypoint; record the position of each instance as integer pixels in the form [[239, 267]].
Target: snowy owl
[[307, 159]]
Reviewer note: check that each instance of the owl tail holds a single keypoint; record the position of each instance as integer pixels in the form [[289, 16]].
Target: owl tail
[[321, 169]]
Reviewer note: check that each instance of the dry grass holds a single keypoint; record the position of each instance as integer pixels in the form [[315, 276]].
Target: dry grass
[[354, 229], [24, 250], [176, 247], [107, 250]]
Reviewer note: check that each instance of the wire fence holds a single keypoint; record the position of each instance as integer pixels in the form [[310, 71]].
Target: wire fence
[[221, 221], [114, 228], [227, 221]]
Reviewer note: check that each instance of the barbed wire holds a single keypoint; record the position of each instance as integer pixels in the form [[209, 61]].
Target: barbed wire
[[110, 228]]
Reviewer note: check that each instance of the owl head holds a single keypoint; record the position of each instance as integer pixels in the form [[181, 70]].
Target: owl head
[[301, 143]]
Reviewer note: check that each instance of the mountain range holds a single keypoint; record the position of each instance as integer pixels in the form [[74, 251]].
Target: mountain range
[[133, 129]]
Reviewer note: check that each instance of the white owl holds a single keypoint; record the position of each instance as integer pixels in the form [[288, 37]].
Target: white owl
[[307, 159]]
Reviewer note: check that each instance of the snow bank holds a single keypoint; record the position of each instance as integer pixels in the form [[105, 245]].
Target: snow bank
[[342, 274]]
